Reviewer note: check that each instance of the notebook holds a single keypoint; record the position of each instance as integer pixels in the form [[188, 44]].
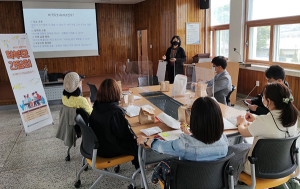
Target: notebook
[[170, 135]]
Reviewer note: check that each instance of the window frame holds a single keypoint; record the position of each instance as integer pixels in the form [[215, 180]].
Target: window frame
[[214, 29], [268, 22]]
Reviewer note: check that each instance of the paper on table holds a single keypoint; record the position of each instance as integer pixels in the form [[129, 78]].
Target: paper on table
[[228, 125], [233, 120], [137, 97], [170, 135], [169, 121], [151, 131], [133, 111]]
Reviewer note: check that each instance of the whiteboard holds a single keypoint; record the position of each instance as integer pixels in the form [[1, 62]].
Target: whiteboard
[[193, 33]]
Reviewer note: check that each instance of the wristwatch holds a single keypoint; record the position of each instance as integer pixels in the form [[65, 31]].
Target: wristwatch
[[145, 141]]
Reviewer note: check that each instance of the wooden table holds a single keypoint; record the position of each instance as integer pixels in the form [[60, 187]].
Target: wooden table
[[136, 126]]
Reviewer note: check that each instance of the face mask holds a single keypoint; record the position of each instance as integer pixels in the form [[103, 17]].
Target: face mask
[[262, 100], [175, 43]]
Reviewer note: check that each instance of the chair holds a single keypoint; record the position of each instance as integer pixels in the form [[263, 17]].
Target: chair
[[273, 163], [143, 81], [155, 80], [88, 149], [228, 96], [205, 174], [66, 130], [93, 92]]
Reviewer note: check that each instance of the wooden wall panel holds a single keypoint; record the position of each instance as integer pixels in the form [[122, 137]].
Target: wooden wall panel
[[11, 21], [247, 80], [116, 39], [189, 11], [159, 18]]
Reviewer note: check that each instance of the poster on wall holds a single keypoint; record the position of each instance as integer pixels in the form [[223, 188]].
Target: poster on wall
[[25, 81], [193, 33]]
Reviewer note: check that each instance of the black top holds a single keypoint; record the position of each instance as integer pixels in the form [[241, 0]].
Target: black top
[[180, 59], [179, 55], [261, 109], [111, 128]]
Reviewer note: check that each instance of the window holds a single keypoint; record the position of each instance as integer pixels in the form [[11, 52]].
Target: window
[[264, 9], [287, 43], [220, 18], [273, 32], [259, 43], [220, 12], [222, 43]]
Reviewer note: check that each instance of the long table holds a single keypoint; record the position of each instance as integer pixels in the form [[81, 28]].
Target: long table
[[148, 156]]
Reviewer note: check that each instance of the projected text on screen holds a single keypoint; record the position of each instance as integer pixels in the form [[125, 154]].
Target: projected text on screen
[[61, 29]]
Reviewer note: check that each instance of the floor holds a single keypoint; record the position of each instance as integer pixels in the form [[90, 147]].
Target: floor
[[37, 160]]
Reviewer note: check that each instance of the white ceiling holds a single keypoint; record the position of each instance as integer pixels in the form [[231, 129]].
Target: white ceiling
[[88, 1]]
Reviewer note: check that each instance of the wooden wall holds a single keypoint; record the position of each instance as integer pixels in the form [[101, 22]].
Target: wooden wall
[[247, 80], [117, 34], [189, 11], [159, 18], [116, 39], [11, 21]]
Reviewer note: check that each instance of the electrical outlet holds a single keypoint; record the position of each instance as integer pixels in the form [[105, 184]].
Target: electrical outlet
[[150, 46], [257, 83]]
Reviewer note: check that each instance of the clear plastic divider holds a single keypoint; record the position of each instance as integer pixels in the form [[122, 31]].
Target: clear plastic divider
[[135, 73], [204, 82]]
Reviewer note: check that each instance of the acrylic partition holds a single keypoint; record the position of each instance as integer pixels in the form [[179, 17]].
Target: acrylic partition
[[134, 73], [197, 82], [203, 83]]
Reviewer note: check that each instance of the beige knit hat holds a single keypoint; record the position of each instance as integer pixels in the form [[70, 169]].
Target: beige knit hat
[[71, 82]]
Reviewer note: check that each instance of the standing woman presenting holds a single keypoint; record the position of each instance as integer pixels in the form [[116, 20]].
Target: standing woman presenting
[[175, 56]]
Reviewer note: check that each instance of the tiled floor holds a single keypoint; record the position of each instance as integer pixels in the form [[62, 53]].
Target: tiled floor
[[37, 160]]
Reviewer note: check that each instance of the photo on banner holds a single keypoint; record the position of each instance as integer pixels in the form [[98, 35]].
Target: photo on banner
[[25, 81]]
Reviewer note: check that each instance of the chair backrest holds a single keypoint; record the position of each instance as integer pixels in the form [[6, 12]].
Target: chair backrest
[[155, 80], [228, 96], [207, 174], [85, 116], [93, 91], [143, 81], [89, 139], [275, 158]]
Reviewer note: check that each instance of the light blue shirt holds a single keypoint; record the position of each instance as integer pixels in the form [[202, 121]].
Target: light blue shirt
[[210, 83], [218, 75], [191, 149]]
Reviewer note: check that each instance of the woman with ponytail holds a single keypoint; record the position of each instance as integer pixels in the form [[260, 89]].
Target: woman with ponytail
[[280, 122]]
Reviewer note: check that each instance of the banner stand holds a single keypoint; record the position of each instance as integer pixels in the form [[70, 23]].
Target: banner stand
[[25, 81]]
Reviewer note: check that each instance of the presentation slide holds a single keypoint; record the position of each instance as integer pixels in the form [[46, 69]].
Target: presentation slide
[[58, 29]]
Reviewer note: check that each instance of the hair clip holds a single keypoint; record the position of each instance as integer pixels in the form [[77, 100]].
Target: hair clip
[[287, 100]]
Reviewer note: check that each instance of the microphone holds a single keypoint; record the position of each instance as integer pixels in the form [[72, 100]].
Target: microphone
[[241, 62]]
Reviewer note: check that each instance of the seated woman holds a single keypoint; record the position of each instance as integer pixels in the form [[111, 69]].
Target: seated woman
[[206, 142], [71, 94], [280, 122], [110, 125]]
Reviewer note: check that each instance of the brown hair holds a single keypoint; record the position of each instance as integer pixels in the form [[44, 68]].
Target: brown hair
[[277, 92], [206, 120], [108, 91]]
